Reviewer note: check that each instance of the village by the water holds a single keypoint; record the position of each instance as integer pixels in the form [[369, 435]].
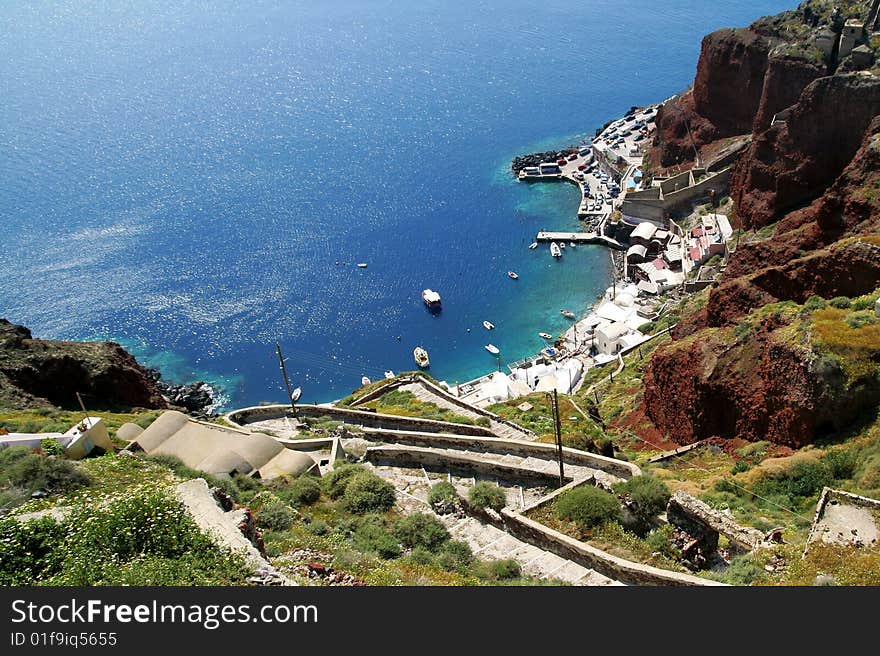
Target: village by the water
[[657, 259]]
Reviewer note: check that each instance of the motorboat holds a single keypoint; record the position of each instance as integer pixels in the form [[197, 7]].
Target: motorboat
[[431, 298], [295, 394], [488, 325], [513, 274], [554, 249], [562, 244], [573, 245], [533, 245], [421, 357], [567, 313], [389, 374], [494, 350], [362, 265], [365, 380], [545, 335]]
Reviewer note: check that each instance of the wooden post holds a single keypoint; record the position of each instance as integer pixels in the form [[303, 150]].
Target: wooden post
[[558, 437], [286, 379], [82, 405]]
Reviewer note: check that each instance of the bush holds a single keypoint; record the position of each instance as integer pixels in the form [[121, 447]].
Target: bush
[[51, 447], [276, 517], [421, 530], [366, 492], [455, 555], [840, 302], [588, 506], [304, 491], [372, 534], [660, 540], [485, 422], [487, 495], [22, 468], [443, 498], [649, 495], [841, 464], [421, 556], [505, 569], [337, 480], [318, 527], [814, 303], [743, 571], [740, 466]]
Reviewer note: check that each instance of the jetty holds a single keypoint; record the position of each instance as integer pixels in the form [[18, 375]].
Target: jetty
[[580, 238]]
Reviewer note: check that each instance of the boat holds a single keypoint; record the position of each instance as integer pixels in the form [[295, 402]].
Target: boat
[[513, 274], [295, 394], [562, 244], [389, 374], [545, 335], [533, 245], [494, 350], [362, 265], [421, 357], [567, 313], [572, 244], [431, 298], [488, 325], [554, 249], [365, 380]]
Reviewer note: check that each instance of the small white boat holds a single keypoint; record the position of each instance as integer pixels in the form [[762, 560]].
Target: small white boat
[[421, 357], [545, 335], [365, 380], [533, 245], [431, 298], [562, 245], [554, 249], [567, 313], [389, 374], [513, 274], [362, 265], [572, 244], [294, 396], [488, 325], [494, 350]]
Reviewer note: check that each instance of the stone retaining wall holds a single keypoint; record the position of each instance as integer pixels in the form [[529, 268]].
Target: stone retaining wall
[[440, 460], [584, 554], [358, 417], [500, 445]]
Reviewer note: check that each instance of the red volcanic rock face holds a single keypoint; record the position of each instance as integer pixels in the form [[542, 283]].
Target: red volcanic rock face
[[792, 163], [730, 79], [755, 388], [784, 81]]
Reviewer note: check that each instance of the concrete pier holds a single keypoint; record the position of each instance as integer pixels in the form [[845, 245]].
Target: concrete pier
[[580, 238]]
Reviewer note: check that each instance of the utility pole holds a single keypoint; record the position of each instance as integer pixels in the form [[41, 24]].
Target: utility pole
[[286, 379], [558, 437], [82, 405]]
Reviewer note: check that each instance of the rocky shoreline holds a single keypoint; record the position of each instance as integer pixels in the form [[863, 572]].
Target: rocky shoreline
[[522, 161], [198, 399]]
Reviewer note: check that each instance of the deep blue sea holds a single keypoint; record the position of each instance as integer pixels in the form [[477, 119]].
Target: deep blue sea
[[183, 176]]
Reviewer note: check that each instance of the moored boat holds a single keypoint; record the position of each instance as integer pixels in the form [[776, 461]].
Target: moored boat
[[488, 325], [421, 357], [513, 274], [545, 335], [567, 313], [494, 350], [533, 245], [554, 249], [389, 374], [365, 380], [362, 265], [431, 298]]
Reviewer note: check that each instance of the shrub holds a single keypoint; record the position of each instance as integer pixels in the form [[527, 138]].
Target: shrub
[[22, 468], [318, 527], [276, 516], [814, 303], [485, 422], [337, 480], [505, 569], [51, 447], [421, 530], [455, 555], [366, 492], [487, 495], [304, 491], [649, 495], [743, 571], [660, 540], [840, 302], [372, 534], [740, 466], [421, 556], [588, 506], [842, 464], [443, 498]]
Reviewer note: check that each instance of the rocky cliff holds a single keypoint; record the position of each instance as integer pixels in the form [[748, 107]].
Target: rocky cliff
[[36, 372], [754, 362]]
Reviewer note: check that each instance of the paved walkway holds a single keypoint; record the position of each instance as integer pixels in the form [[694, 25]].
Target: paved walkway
[[498, 428]]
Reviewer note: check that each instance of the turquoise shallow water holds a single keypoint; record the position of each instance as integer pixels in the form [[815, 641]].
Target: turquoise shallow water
[[183, 176]]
